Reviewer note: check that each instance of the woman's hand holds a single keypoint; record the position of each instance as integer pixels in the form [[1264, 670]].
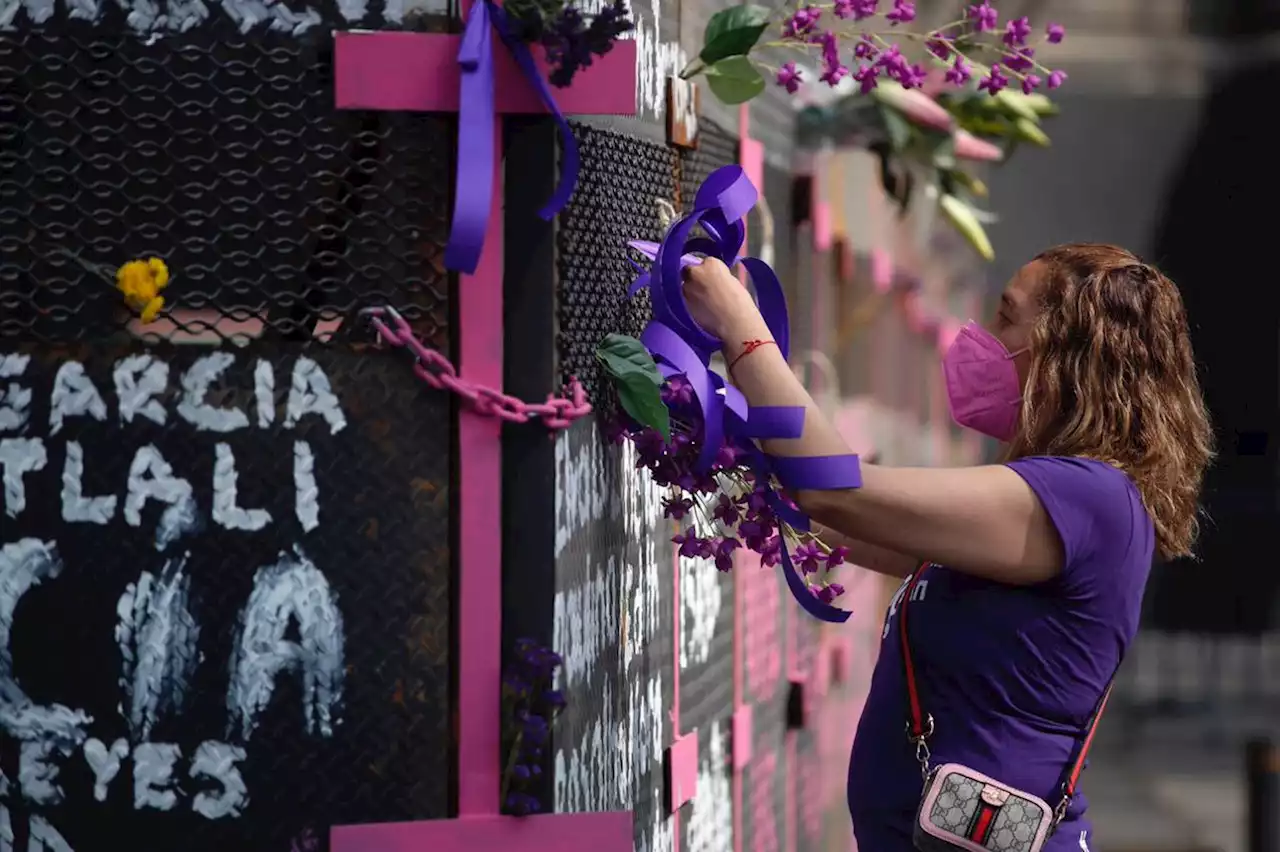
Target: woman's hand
[[721, 305]]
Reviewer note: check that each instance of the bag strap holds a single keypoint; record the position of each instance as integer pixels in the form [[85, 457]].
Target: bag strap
[[920, 723]]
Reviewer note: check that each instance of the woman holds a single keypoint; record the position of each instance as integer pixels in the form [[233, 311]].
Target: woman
[[1036, 566]]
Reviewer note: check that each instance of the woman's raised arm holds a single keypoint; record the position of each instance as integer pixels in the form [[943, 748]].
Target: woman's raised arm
[[984, 521]]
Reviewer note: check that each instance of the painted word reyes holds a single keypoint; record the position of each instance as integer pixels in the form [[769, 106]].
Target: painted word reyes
[[289, 625]]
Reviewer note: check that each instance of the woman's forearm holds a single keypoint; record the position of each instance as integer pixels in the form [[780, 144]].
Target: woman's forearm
[[765, 379], [866, 555]]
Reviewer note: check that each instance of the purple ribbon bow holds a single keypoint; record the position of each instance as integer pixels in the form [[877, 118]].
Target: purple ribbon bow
[[473, 183], [681, 347]]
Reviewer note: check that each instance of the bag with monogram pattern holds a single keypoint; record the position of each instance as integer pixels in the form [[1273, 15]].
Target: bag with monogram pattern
[[963, 809]]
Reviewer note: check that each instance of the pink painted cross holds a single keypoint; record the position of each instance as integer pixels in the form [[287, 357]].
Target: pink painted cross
[[423, 72], [475, 76]]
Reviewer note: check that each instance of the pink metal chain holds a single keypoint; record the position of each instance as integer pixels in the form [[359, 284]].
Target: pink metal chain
[[435, 369]]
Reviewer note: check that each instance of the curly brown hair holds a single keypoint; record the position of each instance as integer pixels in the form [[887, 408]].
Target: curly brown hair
[[1113, 378]]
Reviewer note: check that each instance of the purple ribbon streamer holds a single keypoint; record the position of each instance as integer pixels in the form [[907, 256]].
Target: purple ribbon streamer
[[473, 183], [681, 346]]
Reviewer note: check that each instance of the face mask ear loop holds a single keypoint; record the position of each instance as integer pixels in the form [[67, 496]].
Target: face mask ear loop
[[1013, 355]]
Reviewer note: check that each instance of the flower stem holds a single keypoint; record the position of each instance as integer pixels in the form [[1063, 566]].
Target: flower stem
[[509, 771]]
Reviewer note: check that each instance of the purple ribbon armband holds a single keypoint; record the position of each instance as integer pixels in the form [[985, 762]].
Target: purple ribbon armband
[[681, 347]]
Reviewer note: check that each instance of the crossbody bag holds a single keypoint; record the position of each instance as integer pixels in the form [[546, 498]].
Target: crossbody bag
[[962, 808]]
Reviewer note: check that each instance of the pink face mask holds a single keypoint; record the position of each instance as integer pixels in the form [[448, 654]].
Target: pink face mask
[[983, 389]]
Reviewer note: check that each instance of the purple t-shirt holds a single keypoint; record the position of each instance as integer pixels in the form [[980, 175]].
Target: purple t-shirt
[[1011, 674]]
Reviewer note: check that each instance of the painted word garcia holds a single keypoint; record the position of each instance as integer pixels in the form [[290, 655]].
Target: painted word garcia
[[156, 634]]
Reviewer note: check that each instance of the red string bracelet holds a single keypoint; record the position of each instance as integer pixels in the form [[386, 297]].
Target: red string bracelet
[[749, 346]]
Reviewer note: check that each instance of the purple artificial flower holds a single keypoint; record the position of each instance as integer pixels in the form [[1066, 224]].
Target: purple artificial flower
[[865, 49], [866, 76], [837, 556], [903, 12], [983, 16], [808, 557], [833, 73], [1017, 31], [724, 553], [1055, 33], [995, 81], [690, 544], [1021, 60], [1056, 79], [856, 9], [913, 77], [893, 63], [1030, 83], [771, 552], [676, 509], [959, 72], [730, 456], [677, 391], [827, 593], [727, 511], [802, 22]]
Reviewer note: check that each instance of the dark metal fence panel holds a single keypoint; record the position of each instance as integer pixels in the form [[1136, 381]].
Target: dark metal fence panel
[[231, 637], [615, 571], [246, 667]]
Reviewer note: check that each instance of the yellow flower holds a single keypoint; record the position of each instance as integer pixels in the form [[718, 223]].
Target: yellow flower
[[140, 282], [152, 309]]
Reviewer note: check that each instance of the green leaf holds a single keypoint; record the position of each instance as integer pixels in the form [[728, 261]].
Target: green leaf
[[936, 149], [897, 186], [622, 356], [897, 126], [1015, 105], [637, 381], [733, 32], [644, 403], [735, 80]]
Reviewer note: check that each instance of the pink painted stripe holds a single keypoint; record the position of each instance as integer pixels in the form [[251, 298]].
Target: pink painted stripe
[[418, 72], [682, 764], [881, 270], [675, 639], [679, 784], [821, 214], [743, 731], [186, 325], [751, 155], [589, 832], [479, 519]]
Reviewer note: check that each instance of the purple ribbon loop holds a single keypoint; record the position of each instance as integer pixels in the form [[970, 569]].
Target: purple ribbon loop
[[681, 347], [473, 183]]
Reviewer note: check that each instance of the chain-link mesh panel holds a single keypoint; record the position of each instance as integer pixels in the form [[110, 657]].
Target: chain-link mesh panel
[[613, 626], [621, 183], [716, 148], [615, 580], [706, 644], [222, 154], [246, 594]]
